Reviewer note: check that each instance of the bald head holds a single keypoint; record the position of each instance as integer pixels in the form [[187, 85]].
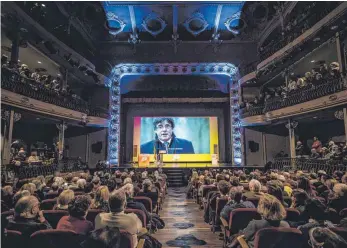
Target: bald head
[[27, 207]]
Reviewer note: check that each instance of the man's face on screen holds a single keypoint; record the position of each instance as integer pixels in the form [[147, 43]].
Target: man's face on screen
[[164, 131]]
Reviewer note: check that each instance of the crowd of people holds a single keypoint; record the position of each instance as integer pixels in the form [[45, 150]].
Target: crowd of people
[[311, 80], [111, 194], [319, 199]]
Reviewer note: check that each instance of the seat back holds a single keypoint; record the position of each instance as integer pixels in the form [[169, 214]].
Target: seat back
[[55, 239], [51, 195], [239, 218], [207, 189], [53, 216], [126, 239], [278, 237], [288, 200], [343, 213], [48, 204], [254, 200], [220, 203], [92, 213], [6, 214], [292, 214], [140, 214], [11, 239], [146, 201], [340, 231]]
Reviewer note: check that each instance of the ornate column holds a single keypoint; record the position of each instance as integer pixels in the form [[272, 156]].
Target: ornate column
[[9, 117], [61, 140], [340, 53], [342, 115], [291, 126]]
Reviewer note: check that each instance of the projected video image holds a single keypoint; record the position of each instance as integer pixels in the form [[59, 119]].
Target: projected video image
[[174, 135]]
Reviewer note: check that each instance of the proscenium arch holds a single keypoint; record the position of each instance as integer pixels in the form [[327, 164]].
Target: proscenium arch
[[121, 70]]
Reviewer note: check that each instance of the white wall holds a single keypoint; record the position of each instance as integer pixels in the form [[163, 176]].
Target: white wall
[[274, 144]]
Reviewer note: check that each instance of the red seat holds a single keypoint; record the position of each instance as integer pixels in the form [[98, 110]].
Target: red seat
[[48, 204], [126, 240], [146, 201], [238, 220], [278, 237], [220, 203], [292, 214], [7, 214], [92, 213], [11, 239], [140, 214], [55, 239], [340, 231], [53, 216]]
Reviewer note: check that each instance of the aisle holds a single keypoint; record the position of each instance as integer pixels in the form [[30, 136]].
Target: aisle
[[185, 226]]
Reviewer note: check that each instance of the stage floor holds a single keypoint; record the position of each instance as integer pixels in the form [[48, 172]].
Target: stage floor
[[182, 165]]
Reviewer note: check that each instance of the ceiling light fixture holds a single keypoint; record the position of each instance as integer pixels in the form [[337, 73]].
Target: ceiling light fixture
[[39, 62], [312, 61], [18, 60], [43, 5], [315, 117], [59, 74]]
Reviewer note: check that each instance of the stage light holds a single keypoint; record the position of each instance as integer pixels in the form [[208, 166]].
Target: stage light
[[58, 75], [39, 62]]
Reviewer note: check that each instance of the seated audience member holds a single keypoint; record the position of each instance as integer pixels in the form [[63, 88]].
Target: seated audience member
[[117, 218], [317, 214], [304, 183], [272, 212], [101, 199], [254, 187], [33, 157], [19, 195], [235, 185], [81, 183], [54, 188], [73, 185], [76, 221], [64, 199], [7, 196], [274, 189], [29, 187], [27, 217], [299, 198], [96, 183], [325, 238], [339, 200], [107, 237], [243, 178], [234, 203], [149, 192]]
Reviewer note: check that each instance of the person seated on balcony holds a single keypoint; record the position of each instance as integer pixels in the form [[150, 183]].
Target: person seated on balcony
[[36, 75], [317, 144], [24, 71], [323, 69], [334, 70], [33, 157], [281, 154], [22, 153], [292, 85], [4, 61], [299, 149], [56, 84]]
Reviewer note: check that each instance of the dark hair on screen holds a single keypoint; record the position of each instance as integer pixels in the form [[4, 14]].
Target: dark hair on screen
[[160, 120], [79, 206]]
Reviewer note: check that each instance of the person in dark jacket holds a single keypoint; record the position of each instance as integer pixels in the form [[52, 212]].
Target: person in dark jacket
[[28, 218], [149, 192], [339, 201]]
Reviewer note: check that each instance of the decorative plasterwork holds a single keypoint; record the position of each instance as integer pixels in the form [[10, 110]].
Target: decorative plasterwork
[[155, 18], [121, 70], [233, 18], [113, 17], [199, 19]]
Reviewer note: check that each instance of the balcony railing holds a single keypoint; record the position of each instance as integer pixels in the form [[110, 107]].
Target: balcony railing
[[310, 165], [12, 81], [252, 111]]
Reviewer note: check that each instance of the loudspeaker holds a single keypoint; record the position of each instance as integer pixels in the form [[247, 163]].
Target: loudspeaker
[[253, 146], [135, 150], [215, 149], [97, 147]]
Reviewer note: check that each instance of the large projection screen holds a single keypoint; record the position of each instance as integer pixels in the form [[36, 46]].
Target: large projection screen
[[182, 139]]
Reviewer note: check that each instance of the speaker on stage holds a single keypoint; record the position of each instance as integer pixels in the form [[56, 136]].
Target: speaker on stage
[[215, 149], [253, 146]]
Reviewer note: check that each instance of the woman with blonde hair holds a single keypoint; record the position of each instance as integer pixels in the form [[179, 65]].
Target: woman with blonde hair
[[64, 199], [272, 213], [101, 198]]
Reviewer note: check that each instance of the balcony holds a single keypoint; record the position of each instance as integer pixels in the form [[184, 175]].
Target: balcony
[[11, 81]]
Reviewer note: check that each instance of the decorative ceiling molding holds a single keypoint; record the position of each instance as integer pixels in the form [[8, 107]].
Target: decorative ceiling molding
[[153, 17], [235, 18], [110, 16], [134, 37], [199, 19]]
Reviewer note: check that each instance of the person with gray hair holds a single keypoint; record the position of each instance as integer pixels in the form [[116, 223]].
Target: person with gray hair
[[150, 192], [28, 218], [254, 189]]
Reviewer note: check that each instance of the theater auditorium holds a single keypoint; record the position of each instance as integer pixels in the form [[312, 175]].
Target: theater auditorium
[[149, 124]]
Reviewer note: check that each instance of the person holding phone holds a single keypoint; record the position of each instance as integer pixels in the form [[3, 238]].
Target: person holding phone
[[28, 218]]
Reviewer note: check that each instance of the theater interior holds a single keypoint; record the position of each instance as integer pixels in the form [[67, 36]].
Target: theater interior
[[174, 124]]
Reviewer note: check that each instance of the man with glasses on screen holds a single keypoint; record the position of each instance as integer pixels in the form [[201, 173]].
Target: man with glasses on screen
[[165, 139]]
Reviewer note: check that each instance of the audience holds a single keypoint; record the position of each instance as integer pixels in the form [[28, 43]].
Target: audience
[[101, 199], [64, 199]]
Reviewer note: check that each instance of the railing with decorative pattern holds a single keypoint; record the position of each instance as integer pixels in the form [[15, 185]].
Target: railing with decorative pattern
[[252, 111], [303, 95], [12, 81], [310, 165]]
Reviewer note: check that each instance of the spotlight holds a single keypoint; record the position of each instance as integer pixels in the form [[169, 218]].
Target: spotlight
[[39, 62]]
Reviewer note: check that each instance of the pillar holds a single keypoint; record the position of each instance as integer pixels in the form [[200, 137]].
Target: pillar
[[263, 141], [345, 122], [61, 140], [15, 49], [65, 74], [339, 50], [9, 117]]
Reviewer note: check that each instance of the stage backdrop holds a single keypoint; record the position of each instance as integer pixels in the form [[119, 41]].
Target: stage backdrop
[[192, 139]]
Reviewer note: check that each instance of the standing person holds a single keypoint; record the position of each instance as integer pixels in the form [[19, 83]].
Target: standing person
[[166, 140], [317, 145]]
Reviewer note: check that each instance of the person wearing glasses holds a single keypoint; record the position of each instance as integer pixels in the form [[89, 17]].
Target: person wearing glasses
[[166, 140]]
